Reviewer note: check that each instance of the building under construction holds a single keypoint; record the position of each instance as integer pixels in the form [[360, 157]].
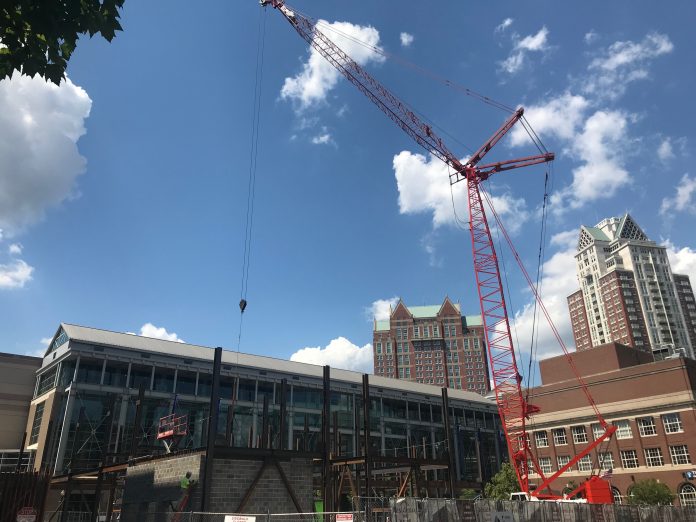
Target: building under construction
[[113, 409]]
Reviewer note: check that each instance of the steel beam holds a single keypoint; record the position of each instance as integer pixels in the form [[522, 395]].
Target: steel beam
[[450, 443], [206, 483], [366, 424]]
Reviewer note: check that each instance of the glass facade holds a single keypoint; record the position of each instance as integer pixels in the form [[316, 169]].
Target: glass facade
[[98, 402]]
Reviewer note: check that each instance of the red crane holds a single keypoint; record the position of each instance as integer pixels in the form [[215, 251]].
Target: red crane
[[514, 410]]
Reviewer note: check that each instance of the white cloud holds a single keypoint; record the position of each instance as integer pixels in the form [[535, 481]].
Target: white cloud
[[339, 353], [15, 274], [682, 260], [590, 37], [322, 139], [560, 117], [558, 282], [600, 146], [622, 63], [424, 187], [621, 54], [40, 124], [150, 330], [406, 39], [664, 151], [39, 352], [428, 244], [504, 25], [15, 249], [684, 200], [380, 310], [599, 141], [530, 43], [318, 77]]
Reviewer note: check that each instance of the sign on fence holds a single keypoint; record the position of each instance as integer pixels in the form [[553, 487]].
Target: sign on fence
[[239, 518], [344, 517], [26, 514]]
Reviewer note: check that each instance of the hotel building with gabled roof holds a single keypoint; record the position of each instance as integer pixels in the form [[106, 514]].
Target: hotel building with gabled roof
[[628, 293]]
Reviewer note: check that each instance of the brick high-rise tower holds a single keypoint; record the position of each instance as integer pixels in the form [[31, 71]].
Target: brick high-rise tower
[[433, 345], [628, 293]]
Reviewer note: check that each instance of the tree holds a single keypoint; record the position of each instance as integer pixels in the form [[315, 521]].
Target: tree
[[502, 483], [468, 494], [650, 491], [39, 36]]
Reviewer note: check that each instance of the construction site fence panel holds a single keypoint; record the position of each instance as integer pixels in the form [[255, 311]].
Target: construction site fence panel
[[410, 509], [430, 510]]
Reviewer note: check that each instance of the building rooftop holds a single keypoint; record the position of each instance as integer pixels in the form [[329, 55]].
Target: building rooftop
[[97, 337]]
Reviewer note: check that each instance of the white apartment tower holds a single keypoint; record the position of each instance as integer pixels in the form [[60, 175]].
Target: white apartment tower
[[628, 293]]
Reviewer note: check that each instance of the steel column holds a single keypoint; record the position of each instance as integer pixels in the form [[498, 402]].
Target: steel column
[[206, 483]]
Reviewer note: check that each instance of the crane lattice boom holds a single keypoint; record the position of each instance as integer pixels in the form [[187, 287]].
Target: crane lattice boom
[[513, 408]]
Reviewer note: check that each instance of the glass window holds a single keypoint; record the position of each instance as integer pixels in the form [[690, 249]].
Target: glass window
[[413, 411], [139, 375], [579, 434], [47, 381], [606, 461], [437, 413], [115, 374], [687, 495], [36, 425], [89, 371], [247, 391], [265, 389], [227, 387], [646, 426], [205, 384], [597, 431], [680, 454], [618, 497], [559, 437], [623, 429], [653, 457], [672, 423], [562, 460], [629, 459], [186, 382], [164, 380], [67, 372], [585, 463], [542, 439], [394, 408], [545, 464], [307, 398]]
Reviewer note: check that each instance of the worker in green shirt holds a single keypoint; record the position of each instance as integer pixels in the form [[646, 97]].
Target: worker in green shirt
[[185, 484]]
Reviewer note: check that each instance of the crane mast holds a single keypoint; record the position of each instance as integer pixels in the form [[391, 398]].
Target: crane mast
[[513, 409]]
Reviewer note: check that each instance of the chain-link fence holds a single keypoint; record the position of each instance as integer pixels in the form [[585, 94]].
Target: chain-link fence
[[172, 516], [448, 510], [377, 509]]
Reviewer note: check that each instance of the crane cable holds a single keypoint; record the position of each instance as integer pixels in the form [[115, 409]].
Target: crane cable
[[251, 187], [534, 344], [418, 68]]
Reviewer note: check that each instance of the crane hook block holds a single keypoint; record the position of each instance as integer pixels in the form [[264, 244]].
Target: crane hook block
[[242, 305]]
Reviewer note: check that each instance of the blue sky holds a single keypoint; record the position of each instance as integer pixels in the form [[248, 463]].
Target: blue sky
[[124, 190]]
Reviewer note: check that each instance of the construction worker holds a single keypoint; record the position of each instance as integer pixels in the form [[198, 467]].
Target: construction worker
[[185, 484]]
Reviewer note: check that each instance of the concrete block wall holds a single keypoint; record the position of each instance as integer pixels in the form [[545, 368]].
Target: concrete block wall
[[151, 486], [232, 478]]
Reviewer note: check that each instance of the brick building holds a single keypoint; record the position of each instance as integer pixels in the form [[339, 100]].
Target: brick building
[[628, 293], [652, 404], [432, 345]]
